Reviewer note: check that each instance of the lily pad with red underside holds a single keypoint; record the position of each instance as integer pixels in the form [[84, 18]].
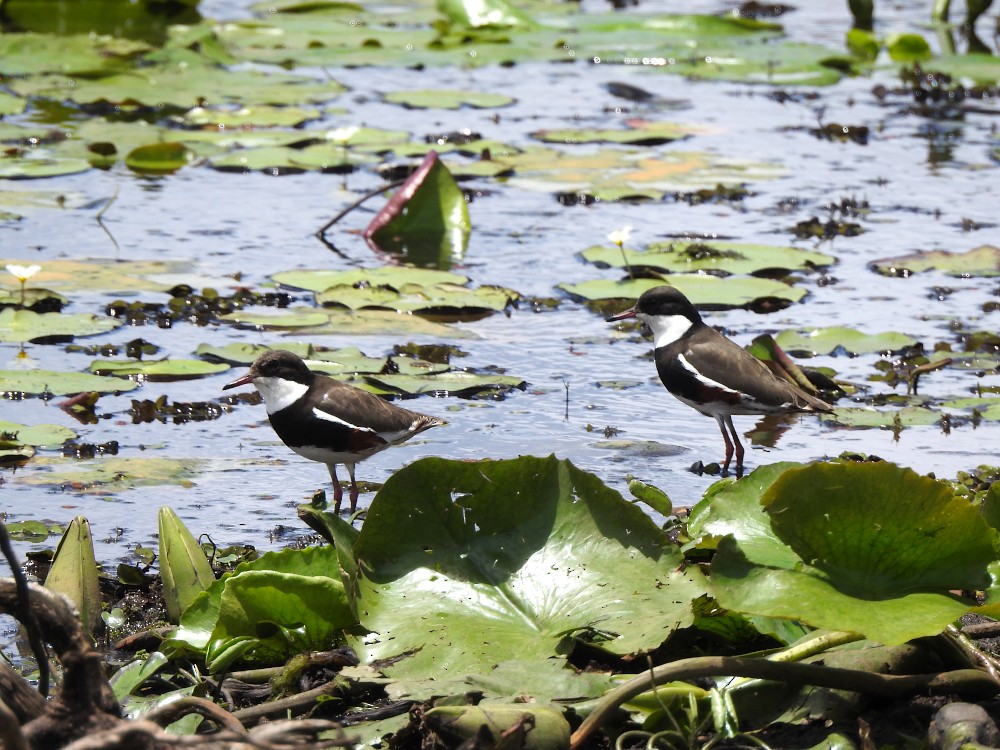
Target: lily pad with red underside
[[426, 219]]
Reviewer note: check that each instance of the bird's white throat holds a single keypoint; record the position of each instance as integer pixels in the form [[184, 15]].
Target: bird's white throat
[[666, 328], [279, 393]]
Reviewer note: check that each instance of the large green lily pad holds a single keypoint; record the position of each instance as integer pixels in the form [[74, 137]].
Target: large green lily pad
[[839, 339], [526, 550], [908, 416], [706, 291], [685, 256], [19, 326], [902, 543], [980, 261], [72, 55]]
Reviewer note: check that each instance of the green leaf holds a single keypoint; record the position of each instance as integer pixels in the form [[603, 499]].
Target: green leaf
[[131, 677], [812, 342], [638, 132], [980, 261], [39, 382], [523, 550], [158, 158], [265, 611], [156, 370], [39, 435], [439, 299], [184, 569], [308, 321], [458, 383], [427, 217], [716, 257], [908, 48], [712, 291], [868, 548], [479, 13], [24, 325], [863, 44], [113, 474], [447, 99], [74, 572], [653, 496]]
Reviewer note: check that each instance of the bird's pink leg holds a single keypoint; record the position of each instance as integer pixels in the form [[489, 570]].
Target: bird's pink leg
[[354, 487], [338, 493], [729, 444], [738, 446]]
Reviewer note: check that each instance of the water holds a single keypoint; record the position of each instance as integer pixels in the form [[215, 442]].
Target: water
[[220, 224]]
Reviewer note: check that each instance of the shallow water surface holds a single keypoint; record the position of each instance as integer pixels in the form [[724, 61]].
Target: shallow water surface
[[248, 483]]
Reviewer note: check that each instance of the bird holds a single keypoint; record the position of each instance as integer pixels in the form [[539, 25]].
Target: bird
[[709, 372], [325, 420]]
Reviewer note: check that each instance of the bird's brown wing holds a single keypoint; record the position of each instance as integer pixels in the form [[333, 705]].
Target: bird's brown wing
[[735, 368], [365, 410]]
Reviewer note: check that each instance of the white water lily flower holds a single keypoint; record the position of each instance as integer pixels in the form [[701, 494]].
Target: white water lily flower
[[620, 236], [22, 273], [342, 135]]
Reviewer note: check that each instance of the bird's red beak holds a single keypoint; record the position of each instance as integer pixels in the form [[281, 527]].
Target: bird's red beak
[[245, 380], [623, 315]]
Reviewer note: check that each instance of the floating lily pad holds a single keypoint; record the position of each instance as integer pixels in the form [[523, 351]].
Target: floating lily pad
[[158, 158], [393, 276], [157, 370], [616, 174], [440, 299], [68, 54], [39, 435], [258, 116], [36, 166], [838, 339], [24, 325], [122, 276], [32, 297], [112, 474], [908, 416], [638, 132], [10, 104], [447, 99], [447, 383], [706, 291], [715, 256], [357, 322], [39, 382], [980, 261]]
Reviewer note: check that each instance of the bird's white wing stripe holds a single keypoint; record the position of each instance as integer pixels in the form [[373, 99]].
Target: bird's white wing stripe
[[319, 414], [705, 380]]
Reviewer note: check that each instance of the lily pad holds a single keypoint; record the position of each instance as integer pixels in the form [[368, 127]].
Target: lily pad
[[38, 382], [705, 291], [908, 416], [24, 325], [715, 256], [527, 550], [259, 116], [394, 277], [111, 474], [39, 435], [157, 370], [158, 158], [980, 261], [809, 343], [121, 276], [447, 99], [308, 321], [903, 542], [439, 299], [638, 132], [457, 383]]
